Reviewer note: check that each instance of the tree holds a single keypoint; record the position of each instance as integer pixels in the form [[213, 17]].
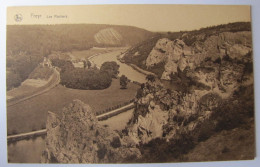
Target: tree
[[150, 78], [123, 81], [12, 80], [88, 63], [84, 64], [112, 68]]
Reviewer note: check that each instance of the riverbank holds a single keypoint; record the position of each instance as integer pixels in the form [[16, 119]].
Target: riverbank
[[30, 115], [100, 117], [124, 69], [29, 150]]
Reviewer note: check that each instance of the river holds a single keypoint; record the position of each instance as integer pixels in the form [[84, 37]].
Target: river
[[124, 69], [29, 151], [26, 151]]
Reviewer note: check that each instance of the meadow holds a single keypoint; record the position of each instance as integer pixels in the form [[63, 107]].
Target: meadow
[[31, 115]]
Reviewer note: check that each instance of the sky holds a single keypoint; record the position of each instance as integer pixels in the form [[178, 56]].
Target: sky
[[149, 17]]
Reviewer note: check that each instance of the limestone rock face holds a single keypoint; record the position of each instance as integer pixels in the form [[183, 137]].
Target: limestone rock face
[[161, 113], [217, 61], [177, 55], [158, 54], [149, 126], [172, 53], [76, 137]]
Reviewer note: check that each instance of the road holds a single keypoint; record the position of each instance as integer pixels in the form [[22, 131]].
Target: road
[[54, 82], [44, 131], [115, 111]]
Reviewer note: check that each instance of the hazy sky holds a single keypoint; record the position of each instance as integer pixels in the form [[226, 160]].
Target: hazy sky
[[150, 17]]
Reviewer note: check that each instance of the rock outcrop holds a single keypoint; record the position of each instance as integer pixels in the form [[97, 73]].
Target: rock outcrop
[[218, 61], [76, 137], [161, 113], [216, 80]]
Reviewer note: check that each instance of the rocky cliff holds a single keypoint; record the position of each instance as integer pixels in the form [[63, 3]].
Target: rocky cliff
[[176, 54], [218, 61], [160, 112], [168, 124], [210, 90], [76, 137], [215, 73]]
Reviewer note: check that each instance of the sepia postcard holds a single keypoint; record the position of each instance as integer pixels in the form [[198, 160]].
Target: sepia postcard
[[129, 84]]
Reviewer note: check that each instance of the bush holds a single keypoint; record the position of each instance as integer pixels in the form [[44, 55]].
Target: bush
[[210, 102], [123, 82], [115, 142], [159, 150], [102, 150]]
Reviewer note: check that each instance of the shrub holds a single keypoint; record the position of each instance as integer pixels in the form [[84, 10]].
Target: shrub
[[210, 102], [102, 150], [228, 116], [123, 81], [159, 150], [115, 142], [150, 78]]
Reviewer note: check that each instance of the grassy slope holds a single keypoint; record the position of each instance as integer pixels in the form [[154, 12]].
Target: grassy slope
[[31, 114], [235, 144]]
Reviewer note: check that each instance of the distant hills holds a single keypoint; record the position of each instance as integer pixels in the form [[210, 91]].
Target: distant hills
[[28, 44], [72, 36]]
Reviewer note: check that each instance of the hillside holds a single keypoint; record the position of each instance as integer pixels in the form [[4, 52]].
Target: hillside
[[139, 53], [207, 103], [28, 44], [69, 36]]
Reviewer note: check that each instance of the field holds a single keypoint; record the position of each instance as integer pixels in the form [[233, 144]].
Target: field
[[30, 114]]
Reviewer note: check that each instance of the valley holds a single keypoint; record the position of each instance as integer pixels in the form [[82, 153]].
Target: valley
[[164, 97]]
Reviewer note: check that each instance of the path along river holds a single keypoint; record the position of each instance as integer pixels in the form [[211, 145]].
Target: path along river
[[29, 151]]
